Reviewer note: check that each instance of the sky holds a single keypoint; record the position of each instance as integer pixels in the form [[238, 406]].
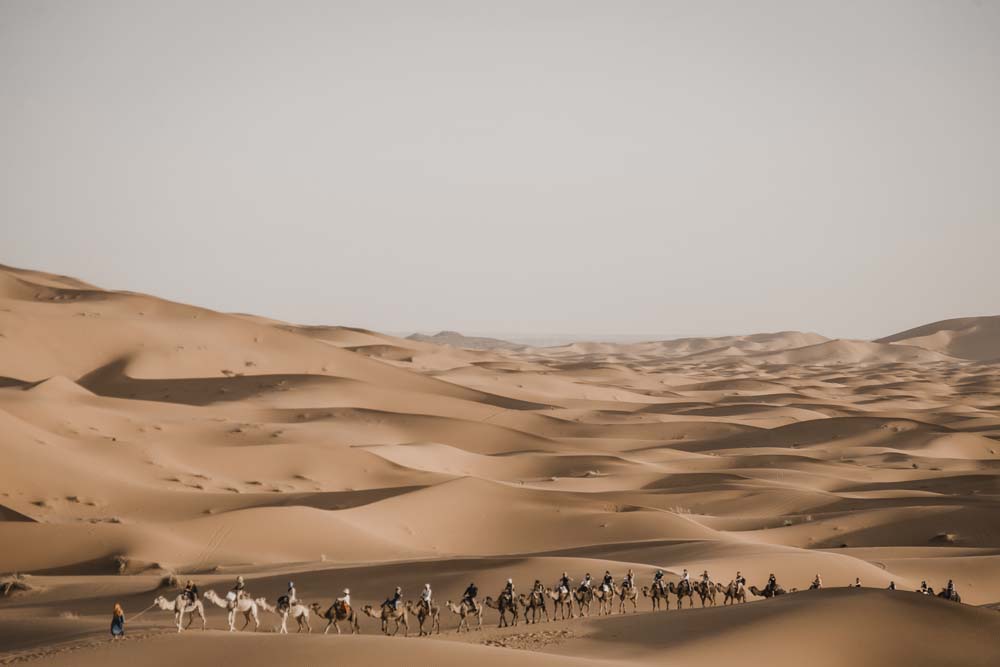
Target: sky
[[512, 168]]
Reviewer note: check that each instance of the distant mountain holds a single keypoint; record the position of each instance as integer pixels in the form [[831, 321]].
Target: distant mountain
[[975, 338], [455, 339]]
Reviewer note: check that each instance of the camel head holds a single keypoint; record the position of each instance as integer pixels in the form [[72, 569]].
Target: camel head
[[367, 610]]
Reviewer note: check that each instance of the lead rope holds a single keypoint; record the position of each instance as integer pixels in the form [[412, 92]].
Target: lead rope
[[143, 611]]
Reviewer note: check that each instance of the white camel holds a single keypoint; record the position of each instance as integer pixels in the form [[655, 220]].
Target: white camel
[[245, 606], [298, 611], [180, 607]]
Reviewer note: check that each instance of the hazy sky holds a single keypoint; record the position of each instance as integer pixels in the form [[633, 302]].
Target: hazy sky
[[584, 167]]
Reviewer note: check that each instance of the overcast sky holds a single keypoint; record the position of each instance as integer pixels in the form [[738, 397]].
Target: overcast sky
[[584, 167]]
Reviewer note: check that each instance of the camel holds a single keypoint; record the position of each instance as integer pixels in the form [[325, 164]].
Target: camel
[[707, 591], [505, 605], [534, 602], [767, 592], [562, 601], [336, 613], [955, 597], [628, 594], [656, 593], [179, 607], [464, 611], [682, 589], [298, 611], [423, 612], [733, 593], [605, 599], [399, 616], [245, 606], [583, 599]]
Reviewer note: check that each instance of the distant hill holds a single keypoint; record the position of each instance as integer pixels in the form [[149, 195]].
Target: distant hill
[[975, 338], [455, 339], [840, 351]]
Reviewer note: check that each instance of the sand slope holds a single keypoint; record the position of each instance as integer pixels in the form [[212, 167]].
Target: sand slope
[[976, 338]]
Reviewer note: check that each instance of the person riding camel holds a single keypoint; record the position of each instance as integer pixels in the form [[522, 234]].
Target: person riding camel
[[658, 581], [772, 583], [686, 579], [288, 599], [425, 597], [564, 582], [469, 597], [344, 602], [537, 587], [629, 580], [705, 580], [892, 586], [394, 601], [586, 583], [508, 591], [239, 591], [817, 582], [951, 589], [740, 581], [857, 582], [190, 592], [924, 589], [608, 583]]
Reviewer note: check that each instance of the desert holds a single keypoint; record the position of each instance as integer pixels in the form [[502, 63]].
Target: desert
[[148, 443]]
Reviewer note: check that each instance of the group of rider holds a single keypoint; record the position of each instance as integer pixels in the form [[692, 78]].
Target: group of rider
[[469, 597]]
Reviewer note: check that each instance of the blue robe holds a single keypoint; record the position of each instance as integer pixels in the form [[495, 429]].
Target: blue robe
[[117, 626]]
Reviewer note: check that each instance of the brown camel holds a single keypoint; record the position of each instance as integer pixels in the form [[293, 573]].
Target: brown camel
[[733, 593], [464, 611], [627, 594], [682, 589], [562, 602], [534, 602], [424, 612], [707, 591], [583, 598], [338, 612], [657, 594], [505, 605], [767, 592], [954, 597], [399, 616], [605, 599]]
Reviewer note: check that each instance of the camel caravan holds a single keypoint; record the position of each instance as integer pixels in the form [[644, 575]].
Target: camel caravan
[[566, 601]]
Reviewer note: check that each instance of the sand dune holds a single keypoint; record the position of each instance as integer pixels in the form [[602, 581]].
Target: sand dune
[[976, 338], [144, 439]]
